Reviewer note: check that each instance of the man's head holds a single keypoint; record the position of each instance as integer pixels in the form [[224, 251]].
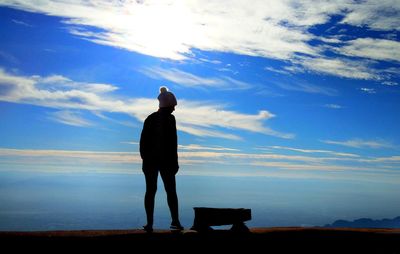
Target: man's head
[[166, 98]]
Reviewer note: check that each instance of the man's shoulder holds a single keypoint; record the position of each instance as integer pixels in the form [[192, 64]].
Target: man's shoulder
[[156, 116], [152, 116]]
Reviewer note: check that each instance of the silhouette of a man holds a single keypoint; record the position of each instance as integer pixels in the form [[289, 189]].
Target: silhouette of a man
[[158, 149]]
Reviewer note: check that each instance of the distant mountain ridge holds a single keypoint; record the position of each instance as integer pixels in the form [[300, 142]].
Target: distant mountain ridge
[[366, 223]]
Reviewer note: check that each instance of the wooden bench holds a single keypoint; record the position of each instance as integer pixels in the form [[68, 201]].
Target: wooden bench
[[205, 217]]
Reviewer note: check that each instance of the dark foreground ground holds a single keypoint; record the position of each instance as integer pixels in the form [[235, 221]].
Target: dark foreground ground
[[259, 240]]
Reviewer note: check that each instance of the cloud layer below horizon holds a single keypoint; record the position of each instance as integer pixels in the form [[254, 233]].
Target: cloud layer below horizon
[[221, 161]]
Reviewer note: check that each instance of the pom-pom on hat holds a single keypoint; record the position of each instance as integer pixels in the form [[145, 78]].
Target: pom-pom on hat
[[166, 98]]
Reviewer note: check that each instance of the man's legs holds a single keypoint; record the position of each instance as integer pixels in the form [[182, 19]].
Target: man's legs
[[172, 197], [151, 189]]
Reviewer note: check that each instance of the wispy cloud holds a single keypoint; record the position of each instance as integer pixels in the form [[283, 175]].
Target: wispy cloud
[[8, 57], [280, 71], [360, 143], [394, 159], [225, 69], [277, 30], [377, 49], [22, 23], [192, 155], [58, 82], [194, 147], [244, 158], [208, 115], [210, 61], [301, 86], [339, 66], [307, 167], [313, 151], [333, 106], [69, 118], [195, 117], [69, 161], [369, 13], [368, 90], [110, 157], [130, 143], [206, 132], [390, 83], [104, 117], [190, 80]]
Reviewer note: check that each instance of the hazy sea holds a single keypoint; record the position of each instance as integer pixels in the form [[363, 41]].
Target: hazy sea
[[71, 201]]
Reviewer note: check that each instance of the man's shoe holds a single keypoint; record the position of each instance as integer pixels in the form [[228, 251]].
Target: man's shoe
[[176, 226], [148, 229]]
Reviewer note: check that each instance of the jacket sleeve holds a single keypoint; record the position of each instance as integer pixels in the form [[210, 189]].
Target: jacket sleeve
[[144, 140], [175, 143]]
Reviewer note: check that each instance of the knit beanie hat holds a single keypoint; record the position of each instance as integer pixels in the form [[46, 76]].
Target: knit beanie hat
[[166, 98]]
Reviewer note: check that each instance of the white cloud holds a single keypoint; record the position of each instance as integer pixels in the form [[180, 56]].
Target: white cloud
[[130, 143], [209, 61], [234, 83], [22, 23], [195, 147], [333, 106], [180, 77], [368, 90], [377, 49], [129, 162], [376, 14], [56, 92], [112, 120], [187, 153], [224, 69], [201, 118], [314, 151], [297, 166], [169, 29], [339, 67], [57, 82], [360, 143], [190, 80], [70, 161], [244, 158], [69, 118], [301, 86], [269, 68], [332, 40], [390, 83], [208, 114], [392, 70], [391, 159], [278, 29], [195, 117], [110, 157]]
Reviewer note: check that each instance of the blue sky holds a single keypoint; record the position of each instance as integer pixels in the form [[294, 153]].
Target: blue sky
[[275, 89]]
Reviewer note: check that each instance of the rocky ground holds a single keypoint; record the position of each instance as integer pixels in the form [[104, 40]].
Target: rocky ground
[[260, 240]]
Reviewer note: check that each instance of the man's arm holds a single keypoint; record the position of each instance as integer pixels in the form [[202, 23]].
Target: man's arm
[[144, 140], [175, 142]]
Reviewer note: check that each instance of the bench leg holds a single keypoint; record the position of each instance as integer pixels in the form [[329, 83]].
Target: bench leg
[[240, 227]]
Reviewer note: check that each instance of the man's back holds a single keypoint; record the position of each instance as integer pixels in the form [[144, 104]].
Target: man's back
[[158, 142]]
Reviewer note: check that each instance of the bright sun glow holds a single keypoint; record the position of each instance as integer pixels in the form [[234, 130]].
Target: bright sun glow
[[163, 36]]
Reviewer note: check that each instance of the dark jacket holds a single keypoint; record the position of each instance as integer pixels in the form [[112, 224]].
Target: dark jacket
[[159, 143]]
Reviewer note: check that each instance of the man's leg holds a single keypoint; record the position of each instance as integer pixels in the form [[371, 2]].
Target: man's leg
[[151, 189], [172, 197]]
